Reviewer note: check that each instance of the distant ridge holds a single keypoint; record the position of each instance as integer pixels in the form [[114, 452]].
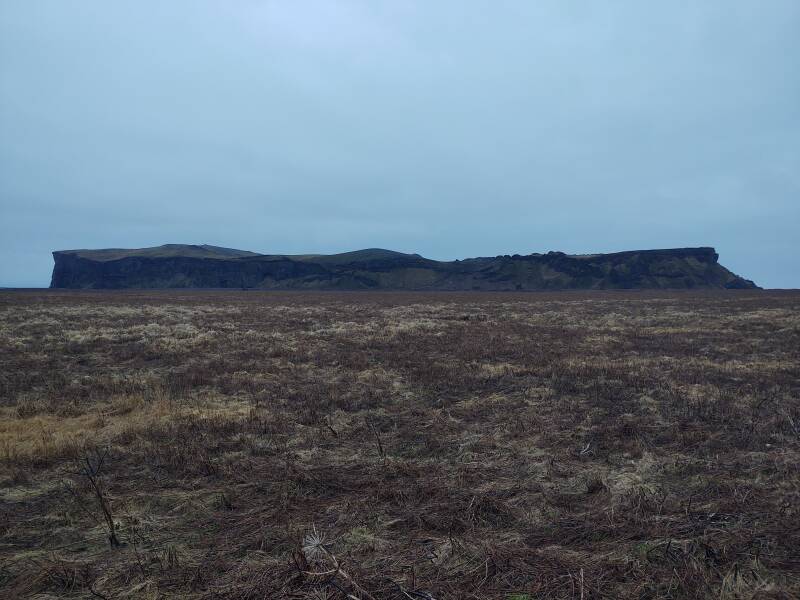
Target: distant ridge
[[167, 250], [205, 266]]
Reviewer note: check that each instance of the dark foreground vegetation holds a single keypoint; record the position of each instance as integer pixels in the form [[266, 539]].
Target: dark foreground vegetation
[[399, 446]]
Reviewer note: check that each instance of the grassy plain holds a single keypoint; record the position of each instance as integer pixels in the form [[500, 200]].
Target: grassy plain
[[399, 446]]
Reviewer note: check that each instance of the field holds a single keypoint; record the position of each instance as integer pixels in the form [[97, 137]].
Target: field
[[399, 446]]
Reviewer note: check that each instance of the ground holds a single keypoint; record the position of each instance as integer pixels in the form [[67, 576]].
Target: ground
[[401, 446]]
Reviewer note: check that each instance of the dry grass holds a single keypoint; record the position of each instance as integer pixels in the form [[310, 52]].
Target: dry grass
[[277, 445]]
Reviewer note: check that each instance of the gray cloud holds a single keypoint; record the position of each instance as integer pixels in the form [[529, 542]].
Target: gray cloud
[[451, 129]]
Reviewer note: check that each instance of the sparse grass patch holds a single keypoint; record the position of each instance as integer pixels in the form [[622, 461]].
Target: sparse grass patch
[[395, 446]]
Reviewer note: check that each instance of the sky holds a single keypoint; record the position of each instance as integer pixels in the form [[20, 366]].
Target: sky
[[448, 128]]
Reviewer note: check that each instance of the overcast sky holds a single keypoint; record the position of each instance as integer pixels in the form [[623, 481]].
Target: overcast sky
[[452, 129]]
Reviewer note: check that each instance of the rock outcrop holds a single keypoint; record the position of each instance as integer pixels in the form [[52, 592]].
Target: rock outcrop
[[190, 266]]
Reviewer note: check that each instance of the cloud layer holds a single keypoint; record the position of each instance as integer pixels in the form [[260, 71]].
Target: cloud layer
[[451, 129]]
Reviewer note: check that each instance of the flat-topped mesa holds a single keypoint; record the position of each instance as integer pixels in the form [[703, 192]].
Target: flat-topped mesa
[[703, 253], [204, 266]]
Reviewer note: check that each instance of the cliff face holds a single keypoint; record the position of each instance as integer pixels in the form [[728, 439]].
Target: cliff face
[[176, 266], [72, 271]]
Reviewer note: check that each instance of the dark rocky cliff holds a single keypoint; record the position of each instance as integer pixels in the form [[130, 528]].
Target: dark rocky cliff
[[178, 266]]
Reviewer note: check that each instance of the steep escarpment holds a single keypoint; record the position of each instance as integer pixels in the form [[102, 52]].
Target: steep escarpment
[[191, 266]]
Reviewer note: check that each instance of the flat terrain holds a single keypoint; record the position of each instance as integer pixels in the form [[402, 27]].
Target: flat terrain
[[399, 446]]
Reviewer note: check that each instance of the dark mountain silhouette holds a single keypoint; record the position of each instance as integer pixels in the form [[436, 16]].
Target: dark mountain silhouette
[[190, 266]]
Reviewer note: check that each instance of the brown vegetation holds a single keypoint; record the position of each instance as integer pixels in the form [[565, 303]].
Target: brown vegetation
[[399, 446]]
